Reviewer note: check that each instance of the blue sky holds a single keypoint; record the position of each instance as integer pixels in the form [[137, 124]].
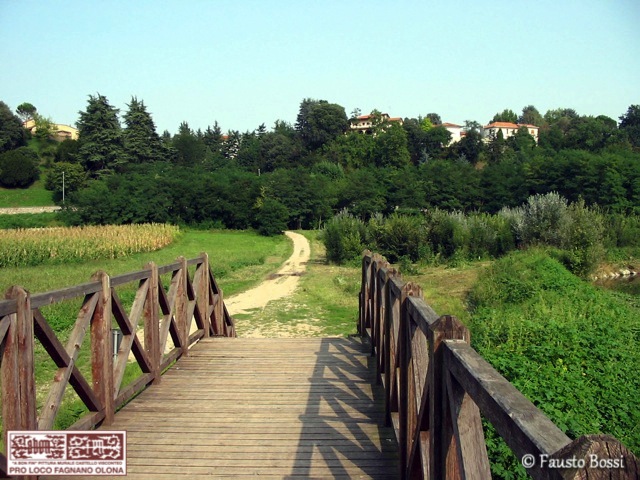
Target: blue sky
[[243, 63]]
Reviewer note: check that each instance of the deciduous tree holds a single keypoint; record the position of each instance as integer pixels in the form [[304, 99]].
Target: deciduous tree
[[630, 124], [12, 134], [319, 121]]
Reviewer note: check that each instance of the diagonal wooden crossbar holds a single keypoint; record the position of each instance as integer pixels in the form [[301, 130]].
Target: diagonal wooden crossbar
[[191, 308], [437, 387]]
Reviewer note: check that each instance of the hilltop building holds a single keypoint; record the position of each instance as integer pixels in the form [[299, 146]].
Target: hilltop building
[[61, 131], [365, 123], [508, 130]]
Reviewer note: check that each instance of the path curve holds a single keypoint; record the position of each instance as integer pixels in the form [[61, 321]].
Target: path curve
[[277, 286]]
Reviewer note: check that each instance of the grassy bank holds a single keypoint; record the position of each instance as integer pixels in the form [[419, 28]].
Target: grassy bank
[[567, 345], [34, 196]]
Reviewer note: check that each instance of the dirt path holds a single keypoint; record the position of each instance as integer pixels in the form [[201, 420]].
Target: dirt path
[[279, 285], [20, 210]]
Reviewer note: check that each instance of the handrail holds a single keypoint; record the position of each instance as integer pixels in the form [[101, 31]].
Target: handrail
[[437, 386], [155, 314]]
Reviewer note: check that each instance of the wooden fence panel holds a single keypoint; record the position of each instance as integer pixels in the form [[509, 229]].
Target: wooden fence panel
[[437, 387], [157, 312]]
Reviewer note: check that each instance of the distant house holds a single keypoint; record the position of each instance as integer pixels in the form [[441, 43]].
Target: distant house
[[365, 123], [508, 130], [61, 132], [455, 131]]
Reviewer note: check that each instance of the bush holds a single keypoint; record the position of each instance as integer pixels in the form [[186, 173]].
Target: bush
[[545, 220], [19, 168], [343, 238], [584, 241], [271, 218], [401, 236], [449, 234]]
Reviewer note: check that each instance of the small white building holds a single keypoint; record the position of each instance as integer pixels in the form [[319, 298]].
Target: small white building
[[365, 123], [455, 131], [508, 129]]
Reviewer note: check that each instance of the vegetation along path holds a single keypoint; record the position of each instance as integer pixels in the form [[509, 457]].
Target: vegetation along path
[[279, 285]]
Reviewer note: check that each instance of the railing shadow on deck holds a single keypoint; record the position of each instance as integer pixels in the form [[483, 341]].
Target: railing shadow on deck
[[338, 382], [155, 315], [437, 386]]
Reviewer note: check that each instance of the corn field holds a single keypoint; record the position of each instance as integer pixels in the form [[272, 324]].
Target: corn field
[[34, 246]]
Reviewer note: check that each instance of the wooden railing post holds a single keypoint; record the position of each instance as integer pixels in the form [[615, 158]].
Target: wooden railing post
[[443, 450], [364, 291], [152, 323], [101, 350], [603, 456], [18, 377], [405, 358], [182, 302], [203, 294]]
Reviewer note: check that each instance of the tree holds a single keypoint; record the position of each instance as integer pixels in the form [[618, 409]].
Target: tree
[[434, 118], [12, 134], [319, 121], [26, 111], [44, 127], [507, 115], [271, 217], [436, 139], [531, 116], [67, 151], [68, 176], [470, 146], [19, 168], [630, 124], [190, 149], [141, 141], [390, 148], [100, 141]]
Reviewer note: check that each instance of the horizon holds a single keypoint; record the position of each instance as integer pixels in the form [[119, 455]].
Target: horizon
[[244, 64]]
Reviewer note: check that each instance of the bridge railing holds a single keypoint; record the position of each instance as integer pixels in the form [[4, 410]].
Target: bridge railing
[[155, 314], [437, 386]]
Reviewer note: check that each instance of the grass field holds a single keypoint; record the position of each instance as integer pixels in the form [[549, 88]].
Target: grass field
[[34, 196]]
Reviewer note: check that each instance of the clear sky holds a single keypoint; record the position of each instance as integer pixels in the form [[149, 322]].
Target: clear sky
[[243, 63]]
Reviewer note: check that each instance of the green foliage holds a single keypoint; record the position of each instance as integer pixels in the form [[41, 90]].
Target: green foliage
[[319, 121], [19, 168], [67, 151], [507, 115], [26, 111], [343, 237], [630, 125], [398, 236], [100, 142], [567, 346], [12, 135], [70, 176], [271, 218], [30, 220], [141, 141]]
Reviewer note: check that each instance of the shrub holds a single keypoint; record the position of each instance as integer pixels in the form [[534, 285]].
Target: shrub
[[401, 236], [545, 220], [584, 245], [343, 237], [19, 168], [271, 217], [449, 234]]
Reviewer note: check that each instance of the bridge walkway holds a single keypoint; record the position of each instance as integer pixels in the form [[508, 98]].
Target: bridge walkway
[[267, 408]]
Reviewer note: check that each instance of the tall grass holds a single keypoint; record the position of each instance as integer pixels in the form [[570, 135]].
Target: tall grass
[[29, 247]]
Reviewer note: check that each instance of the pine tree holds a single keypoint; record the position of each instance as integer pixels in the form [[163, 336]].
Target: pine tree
[[141, 141], [100, 141]]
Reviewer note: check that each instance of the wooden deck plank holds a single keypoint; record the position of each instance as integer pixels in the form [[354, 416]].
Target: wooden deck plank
[[273, 408]]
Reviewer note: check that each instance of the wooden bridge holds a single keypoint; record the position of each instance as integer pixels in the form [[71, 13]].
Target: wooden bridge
[[402, 399]]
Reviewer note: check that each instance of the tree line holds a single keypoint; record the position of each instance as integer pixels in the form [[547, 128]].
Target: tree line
[[298, 175]]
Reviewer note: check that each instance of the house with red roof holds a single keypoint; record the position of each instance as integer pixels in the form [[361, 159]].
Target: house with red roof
[[508, 129], [366, 123]]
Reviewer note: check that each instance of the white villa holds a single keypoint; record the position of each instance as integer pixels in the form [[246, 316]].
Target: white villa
[[364, 123], [508, 130]]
